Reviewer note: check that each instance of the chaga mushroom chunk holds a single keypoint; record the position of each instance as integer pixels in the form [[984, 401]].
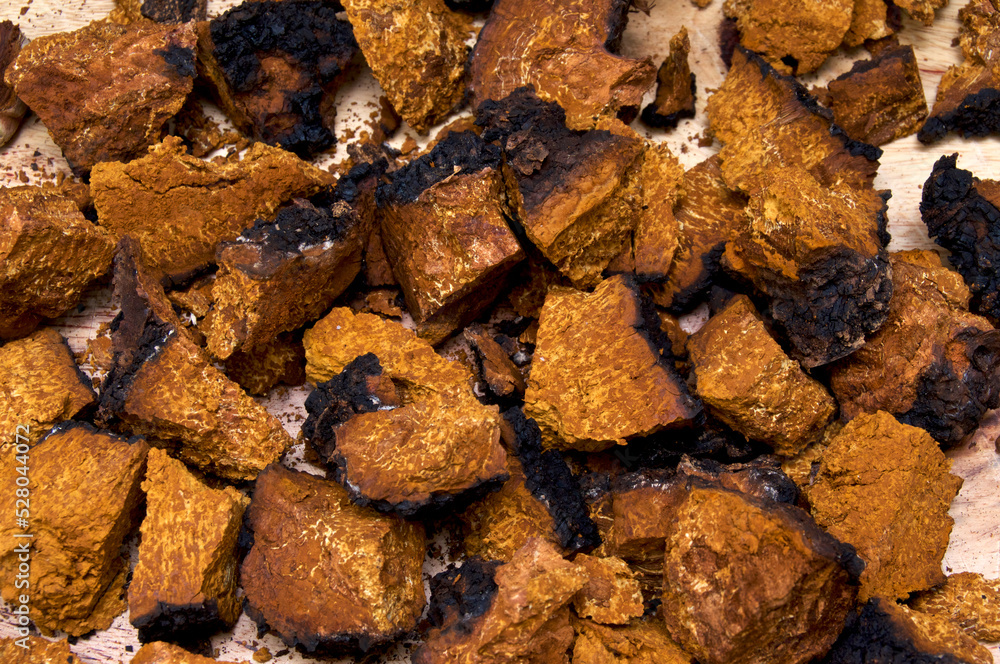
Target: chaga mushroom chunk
[[417, 51], [746, 380], [85, 499], [579, 401], [961, 214], [357, 188], [501, 375], [445, 232], [12, 109], [881, 99], [179, 207], [161, 652], [325, 574], [966, 600], [279, 275], [42, 386], [884, 488], [398, 423], [526, 619], [737, 567], [642, 641], [143, 71], [184, 586], [817, 253], [575, 193], [872, 20], [884, 632], [49, 253], [932, 364], [967, 103], [675, 87], [31, 649], [165, 386], [275, 67], [612, 595], [283, 360], [565, 50]]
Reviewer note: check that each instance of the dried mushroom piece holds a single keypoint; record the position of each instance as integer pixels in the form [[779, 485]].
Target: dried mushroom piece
[[817, 253], [143, 71], [748, 382], [36, 650], [445, 232], [932, 364], [575, 193], [565, 50], [283, 360], [967, 103], [325, 574], [966, 600], [872, 20], [612, 595], [80, 514], [41, 386], [642, 641], [921, 10], [275, 68], [184, 584], [881, 99], [675, 87], [526, 618], [398, 423], [12, 109], [417, 51], [279, 275], [979, 32], [502, 376], [49, 253], [357, 188], [163, 385], [160, 652], [884, 487], [884, 632], [961, 214], [736, 571], [579, 401], [179, 207]]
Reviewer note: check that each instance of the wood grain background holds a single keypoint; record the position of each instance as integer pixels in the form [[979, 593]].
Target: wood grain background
[[975, 544]]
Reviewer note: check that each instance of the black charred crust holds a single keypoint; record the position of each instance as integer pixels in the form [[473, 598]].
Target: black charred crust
[[342, 643], [118, 383], [180, 58], [705, 439], [470, 6], [977, 115], [871, 636], [462, 593], [351, 186], [949, 405], [764, 475], [173, 622], [306, 222], [729, 40], [882, 219], [965, 223], [337, 400], [551, 482], [459, 152], [687, 298], [173, 11], [652, 117]]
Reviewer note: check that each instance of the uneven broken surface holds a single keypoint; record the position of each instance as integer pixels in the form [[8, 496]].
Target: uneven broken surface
[[184, 585], [578, 399], [565, 49], [966, 600], [612, 595], [106, 91], [38, 651], [502, 376], [12, 109], [655, 239], [80, 515], [642, 641], [324, 573], [179, 207], [884, 487], [675, 87]]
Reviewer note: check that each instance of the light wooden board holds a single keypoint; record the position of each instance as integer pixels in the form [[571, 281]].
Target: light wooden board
[[975, 543]]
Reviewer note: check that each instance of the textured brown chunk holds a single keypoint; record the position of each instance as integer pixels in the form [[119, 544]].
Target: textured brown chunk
[[748, 580], [281, 361], [12, 109], [881, 99], [417, 51], [675, 86], [979, 32], [160, 652], [642, 641], [324, 573], [747, 381], [185, 582], [179, 207], [870, 21], [967, 600], [502, 376], [932, 364], [795, 38], [37, 651], [884, 487], [612, 595], [48, 254], [565, 49], [106, 91], [40, 386], [921, 10], [80, 514], [527, 620], [582, 402]]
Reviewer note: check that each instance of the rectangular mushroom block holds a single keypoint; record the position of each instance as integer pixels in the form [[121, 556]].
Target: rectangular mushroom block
[[185, 582], [48, 254], [80, 513], [106, 91], [582, 402], [445, 232], [180, 207], [746, 380], [324, 573]]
